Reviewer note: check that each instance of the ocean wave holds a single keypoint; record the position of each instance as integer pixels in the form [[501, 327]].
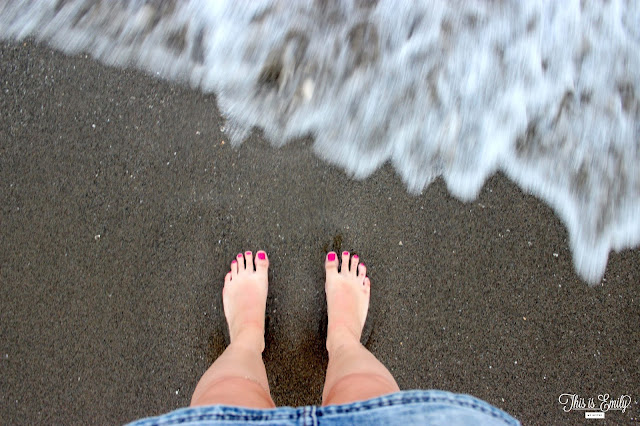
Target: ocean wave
[[547, 92]]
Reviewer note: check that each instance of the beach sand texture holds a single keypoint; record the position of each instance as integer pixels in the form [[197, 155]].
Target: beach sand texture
[[123, 204]]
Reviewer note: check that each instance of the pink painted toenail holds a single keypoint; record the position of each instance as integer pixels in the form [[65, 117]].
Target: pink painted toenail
[[261, 256], [248, 253], [233, 261], [345, 253], [239, 254], [331, 257], [355, 256]]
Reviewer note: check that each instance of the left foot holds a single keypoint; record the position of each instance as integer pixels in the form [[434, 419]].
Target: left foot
[[244, 298]]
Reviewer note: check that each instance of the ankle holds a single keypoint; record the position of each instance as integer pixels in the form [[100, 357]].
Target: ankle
[[251, 337], [339, 336]]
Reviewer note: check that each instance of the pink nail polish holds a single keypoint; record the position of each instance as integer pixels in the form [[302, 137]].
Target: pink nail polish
[[355, 256], [331, 257], [239, 254], [345, 253], [261, 256], [233, 261], [248, 253]]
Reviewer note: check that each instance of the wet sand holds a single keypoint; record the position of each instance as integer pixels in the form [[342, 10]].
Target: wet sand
[[123, 204]]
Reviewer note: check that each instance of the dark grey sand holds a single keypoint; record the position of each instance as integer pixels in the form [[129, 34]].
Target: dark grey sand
[[122, 206]]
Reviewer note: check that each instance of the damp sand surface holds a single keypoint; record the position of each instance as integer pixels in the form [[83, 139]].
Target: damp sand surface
[[122, 204]]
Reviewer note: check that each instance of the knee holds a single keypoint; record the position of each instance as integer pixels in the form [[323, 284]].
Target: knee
[[358, 387], [234, 391]]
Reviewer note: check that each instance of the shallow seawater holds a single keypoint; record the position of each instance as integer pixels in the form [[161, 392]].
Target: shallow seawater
[[547, 92]]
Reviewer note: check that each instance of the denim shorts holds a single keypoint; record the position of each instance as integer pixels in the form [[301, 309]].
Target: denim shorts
[[431, 407]]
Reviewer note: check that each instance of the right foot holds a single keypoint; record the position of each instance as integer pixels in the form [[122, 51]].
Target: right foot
[[244, 298], [347, 299]]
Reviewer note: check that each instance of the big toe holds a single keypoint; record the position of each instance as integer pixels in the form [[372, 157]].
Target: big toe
[[331, 263], [261, 262]]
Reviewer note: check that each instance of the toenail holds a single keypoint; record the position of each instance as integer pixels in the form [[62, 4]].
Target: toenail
[[261, 256], [233, 261], [345, 253], [239, 254], [248, 253], [331, 257], [355, 256]]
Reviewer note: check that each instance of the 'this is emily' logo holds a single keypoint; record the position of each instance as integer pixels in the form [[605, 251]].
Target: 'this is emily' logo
[[604, 403]]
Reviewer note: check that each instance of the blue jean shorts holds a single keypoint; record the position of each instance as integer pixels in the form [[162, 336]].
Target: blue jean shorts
[[431, 407]]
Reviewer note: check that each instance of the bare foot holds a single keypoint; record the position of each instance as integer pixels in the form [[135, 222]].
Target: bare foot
[[244, 298], [347, 299]]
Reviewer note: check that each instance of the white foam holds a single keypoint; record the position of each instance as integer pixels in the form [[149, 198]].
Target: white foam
[[547, 92]]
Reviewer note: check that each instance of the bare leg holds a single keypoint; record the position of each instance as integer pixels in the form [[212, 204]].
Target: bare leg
[[238, 376], [353, 373]]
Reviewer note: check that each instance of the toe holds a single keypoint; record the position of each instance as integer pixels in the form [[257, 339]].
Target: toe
[[262, 262], [367, 284], [354, 265], [248, 260], [362, 270], [345, 262], [331, 264], [240, 259], [234, 268]]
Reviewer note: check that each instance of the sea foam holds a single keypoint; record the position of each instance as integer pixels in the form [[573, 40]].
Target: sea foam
[[546, 91]]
